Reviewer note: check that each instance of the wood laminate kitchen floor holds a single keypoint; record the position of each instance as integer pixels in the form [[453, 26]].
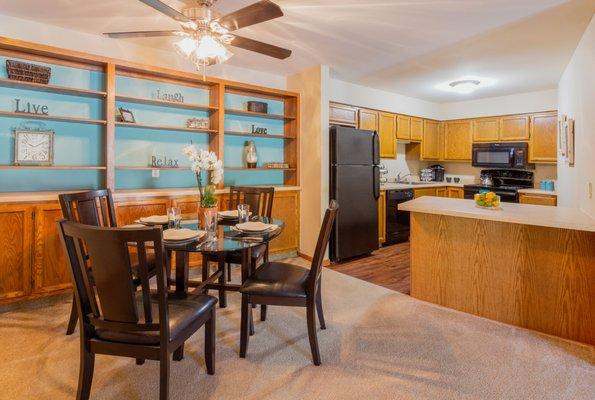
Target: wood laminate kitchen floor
[[387, 267]]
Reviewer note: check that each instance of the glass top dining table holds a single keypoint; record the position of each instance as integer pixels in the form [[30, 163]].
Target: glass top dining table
[[227, 241]]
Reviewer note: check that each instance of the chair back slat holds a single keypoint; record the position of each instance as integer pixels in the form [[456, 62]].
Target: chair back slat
[[95, 207], [321, 245], [113, 286], [260, 199]]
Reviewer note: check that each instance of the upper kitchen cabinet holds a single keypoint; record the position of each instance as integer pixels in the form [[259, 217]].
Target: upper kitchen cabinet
[[514, 127], [457, 140], [368, 119], [417, 129], [403, 127], [430, 144], [340, 114], [386, 133], [542, 145], [486, 130]]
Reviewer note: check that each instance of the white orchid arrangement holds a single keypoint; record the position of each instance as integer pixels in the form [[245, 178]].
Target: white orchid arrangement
[[204, 160]]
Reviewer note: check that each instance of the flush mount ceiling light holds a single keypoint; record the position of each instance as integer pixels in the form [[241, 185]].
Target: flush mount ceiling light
[[466, 85], [205, 36]]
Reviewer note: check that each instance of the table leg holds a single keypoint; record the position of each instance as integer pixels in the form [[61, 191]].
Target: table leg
[[246, 272], [222, 280], [181, 274]]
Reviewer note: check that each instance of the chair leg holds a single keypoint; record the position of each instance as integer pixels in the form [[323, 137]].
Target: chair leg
[[179, 353], [311, 318], [87, 365], [73, 318], [244, 326], [140, 361], [319, 308], [164, 377], [210, 336], [251, 320], [263, 312]]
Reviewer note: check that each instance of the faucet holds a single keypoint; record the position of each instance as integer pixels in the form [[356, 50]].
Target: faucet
[[401, 178]]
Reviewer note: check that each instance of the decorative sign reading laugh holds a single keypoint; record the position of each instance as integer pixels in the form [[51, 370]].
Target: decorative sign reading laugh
[[172, 97]]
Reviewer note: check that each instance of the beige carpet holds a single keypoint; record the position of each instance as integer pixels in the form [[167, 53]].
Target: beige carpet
[[379, 344]]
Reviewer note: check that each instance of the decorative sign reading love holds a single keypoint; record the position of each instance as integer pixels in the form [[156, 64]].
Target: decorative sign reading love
[[258, 130], [173, 97], [164, 162], [30, 108]]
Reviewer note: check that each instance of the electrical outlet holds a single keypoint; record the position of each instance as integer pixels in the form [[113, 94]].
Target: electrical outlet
[[155, 173]]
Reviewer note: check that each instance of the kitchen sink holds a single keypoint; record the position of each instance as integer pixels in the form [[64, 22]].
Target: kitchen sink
[[413, 183]]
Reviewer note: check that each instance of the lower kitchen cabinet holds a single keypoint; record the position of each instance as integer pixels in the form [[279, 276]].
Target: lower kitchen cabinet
[[382, 217], [456, 193], [424, 192], [441, 192], [538, 199]]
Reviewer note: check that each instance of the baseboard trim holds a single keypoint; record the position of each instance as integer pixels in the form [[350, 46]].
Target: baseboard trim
[[325, 263]]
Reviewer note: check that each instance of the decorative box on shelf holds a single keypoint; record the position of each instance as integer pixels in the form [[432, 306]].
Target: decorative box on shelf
[[26, 72], [258, 106], [276, 165], [198, 123]]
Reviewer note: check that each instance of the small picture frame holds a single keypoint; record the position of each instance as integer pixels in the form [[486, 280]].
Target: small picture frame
[[570, 141], [562, 136], [32, 147], [126, 115]]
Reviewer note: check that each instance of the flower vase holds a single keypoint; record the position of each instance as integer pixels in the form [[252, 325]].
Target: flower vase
[[201, 214]]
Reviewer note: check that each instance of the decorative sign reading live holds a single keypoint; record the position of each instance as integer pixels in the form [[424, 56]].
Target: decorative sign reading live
[[259, 130], [30, 108], [173, 97], [164, 162]]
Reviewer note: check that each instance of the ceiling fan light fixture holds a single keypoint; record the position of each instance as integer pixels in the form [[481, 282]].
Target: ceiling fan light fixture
[[466, 85]]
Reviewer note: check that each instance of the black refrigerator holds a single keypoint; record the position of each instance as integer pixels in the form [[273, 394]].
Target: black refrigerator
[[355, 185]]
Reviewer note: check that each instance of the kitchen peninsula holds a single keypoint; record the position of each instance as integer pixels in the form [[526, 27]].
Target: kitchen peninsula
[[525, 265]]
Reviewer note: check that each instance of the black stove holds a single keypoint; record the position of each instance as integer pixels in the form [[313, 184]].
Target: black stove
[[505, 183]]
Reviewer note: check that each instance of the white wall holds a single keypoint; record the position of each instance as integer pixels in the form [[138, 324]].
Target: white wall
[[544, 100], [576, 99], [16, 28]]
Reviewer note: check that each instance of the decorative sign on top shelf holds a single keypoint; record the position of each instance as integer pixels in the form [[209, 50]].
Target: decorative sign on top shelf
[[171, 97], [164, 162], [33, 147], [258, 130], [258, 106], [125, 115], [26, 72], [30, 108], [197, 123], [276, 165]]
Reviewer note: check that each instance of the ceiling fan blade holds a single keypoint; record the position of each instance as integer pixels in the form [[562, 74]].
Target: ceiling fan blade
[[260, 47], [123, 35], [167, 10], [256, 13]]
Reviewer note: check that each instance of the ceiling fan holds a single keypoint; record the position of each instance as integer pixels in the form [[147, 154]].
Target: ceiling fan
[[205, 36]]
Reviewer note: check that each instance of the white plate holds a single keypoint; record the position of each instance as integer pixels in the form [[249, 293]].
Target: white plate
[[255, 226], [133, 226], [230, 214], [154, 220], [176, 235]]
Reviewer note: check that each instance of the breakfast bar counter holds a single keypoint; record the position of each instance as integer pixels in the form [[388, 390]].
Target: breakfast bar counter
[[525, 265]]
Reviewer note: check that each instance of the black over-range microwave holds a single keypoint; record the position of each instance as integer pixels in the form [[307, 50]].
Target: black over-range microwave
[[500, 155]]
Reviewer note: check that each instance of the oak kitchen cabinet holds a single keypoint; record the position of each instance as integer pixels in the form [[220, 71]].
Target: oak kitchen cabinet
[[430, 144], [457, 140], [417, 129], [340, 114], [403, 127], [543, 133], [368, 119], [514, 128], [424, 192], [538, 199], [382, 217], [386, 135], [441, 192], [456, 193], [486, 129]]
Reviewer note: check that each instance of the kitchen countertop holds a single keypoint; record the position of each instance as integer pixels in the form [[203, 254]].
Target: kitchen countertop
[[398, 186], [526, 214], [539, 191]]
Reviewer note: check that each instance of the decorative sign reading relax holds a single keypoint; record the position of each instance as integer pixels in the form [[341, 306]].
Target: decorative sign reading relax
[[258, 130], [173, 97], [30, 108], [164, 162]]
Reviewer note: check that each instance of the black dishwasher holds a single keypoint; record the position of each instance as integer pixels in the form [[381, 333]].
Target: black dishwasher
[[397, 221]]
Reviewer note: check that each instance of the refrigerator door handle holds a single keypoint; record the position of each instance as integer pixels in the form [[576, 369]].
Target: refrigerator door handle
[[376, 148], [376, 182]]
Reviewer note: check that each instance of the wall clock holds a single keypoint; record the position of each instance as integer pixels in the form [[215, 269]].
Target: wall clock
[[33, 147]]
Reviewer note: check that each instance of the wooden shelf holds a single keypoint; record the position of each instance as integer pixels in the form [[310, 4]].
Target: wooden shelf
[[164, 103], [165, 127], [55, 167], [51, 88], [132, 168], [258, 114], [52, 118], [267, 136], [257, 169]]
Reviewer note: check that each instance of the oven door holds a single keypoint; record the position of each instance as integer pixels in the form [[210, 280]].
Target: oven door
[[493, 157]]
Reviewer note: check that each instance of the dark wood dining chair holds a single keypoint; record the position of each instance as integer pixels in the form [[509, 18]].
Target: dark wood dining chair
[[118, 320], [96, 208], [282, 284]]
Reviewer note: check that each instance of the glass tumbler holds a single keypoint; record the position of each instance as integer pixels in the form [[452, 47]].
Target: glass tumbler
[[174, 217], [211, 224], [243, 213]]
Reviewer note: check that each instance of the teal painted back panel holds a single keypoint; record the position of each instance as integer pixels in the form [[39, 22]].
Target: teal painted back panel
[[65, 76], [160, 115], [27, 180], [127, 179], [146, 88], [247, 178]]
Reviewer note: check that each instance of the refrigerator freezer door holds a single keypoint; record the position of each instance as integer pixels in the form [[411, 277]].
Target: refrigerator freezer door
[[350, 146], [355, 232]]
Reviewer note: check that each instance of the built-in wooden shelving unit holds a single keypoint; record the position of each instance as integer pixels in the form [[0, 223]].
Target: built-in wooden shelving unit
[[164, 103], [259, 135], [52, 117], [135, 168], [51, 88], [165, 127], [258, 169], [258, 114], [55, 167]]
